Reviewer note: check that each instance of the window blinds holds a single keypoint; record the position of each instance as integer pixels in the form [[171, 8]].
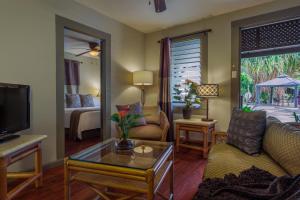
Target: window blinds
[[270, 39], [185, 62]]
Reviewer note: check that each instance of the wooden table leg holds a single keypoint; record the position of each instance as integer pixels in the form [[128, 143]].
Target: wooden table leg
[[67, 180], [3, 179], [38, 167], [172, 177], [187, 136], [205, 142], [177, 137], [150, 181]]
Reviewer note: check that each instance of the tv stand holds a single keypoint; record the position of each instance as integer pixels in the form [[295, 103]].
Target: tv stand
[[6, 137], [13, 151]]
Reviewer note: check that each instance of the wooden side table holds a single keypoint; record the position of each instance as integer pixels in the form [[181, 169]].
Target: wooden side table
[[13, 151], [194, 125]]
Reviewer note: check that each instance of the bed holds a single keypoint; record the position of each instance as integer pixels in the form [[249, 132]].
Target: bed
[[89, 119], [80, 119]]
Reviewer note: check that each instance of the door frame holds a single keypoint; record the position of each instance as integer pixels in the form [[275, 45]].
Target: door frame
[[236, 26], [105, 75]]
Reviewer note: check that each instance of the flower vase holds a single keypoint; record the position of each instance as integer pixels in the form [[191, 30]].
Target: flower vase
[[187, 113], [124, 143]]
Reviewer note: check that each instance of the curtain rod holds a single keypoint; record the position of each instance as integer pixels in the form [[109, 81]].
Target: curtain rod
[[190, 34]]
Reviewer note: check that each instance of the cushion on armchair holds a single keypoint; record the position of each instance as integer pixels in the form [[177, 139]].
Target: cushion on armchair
[[152, 114], [148, 132], [135, 108]]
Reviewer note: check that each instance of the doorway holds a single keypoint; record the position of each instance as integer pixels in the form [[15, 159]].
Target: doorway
[[82, 86], [266, 63]]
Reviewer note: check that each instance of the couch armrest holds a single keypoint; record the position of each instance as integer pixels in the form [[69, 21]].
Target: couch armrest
[[218, 136], [164, 125]]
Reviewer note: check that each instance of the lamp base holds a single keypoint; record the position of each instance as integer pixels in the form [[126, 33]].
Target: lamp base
[[207, 119]]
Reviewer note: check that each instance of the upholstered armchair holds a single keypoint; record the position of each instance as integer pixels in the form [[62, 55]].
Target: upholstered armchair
[[156, 128]]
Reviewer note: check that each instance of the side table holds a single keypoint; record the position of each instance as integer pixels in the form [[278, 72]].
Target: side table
[[14, 150], [197, 126]]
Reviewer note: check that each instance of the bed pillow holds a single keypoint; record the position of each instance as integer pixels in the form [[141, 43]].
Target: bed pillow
[[135, 108], [246, 130], [97, 101], [73, 101], [87, 100]]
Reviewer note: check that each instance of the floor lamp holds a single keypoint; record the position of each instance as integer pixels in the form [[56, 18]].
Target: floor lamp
[[207, 91], [142, 79]]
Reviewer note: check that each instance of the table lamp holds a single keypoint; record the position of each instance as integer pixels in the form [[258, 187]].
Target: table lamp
[[207, 91], [142, 78]]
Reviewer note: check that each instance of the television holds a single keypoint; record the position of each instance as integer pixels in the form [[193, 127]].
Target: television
[[14, 108]]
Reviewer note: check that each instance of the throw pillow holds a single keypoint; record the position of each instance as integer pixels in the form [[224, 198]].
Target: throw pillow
[[152, 114], [282, 143], [87, 100], [135, 108], [73, 101], [246, 130]]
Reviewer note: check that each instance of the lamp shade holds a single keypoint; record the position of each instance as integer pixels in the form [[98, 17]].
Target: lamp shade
[[208, 90], [143, 78]]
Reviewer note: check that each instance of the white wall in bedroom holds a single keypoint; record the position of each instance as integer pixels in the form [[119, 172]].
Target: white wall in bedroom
[[28, 56], [89, 72]]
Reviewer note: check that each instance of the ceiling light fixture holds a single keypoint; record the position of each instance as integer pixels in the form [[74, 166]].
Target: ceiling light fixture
[[94, 53], [160, 5]]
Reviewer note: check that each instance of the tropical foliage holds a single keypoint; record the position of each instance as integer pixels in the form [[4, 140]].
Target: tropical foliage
[[125, 121], [260, 69]]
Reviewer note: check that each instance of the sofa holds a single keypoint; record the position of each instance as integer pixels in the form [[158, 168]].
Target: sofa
[[156, 128], [280, 153]]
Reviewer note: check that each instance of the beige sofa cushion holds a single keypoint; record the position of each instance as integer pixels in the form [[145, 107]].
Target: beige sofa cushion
[[148, 132], [282, 143], [224, 159], [152, 114]]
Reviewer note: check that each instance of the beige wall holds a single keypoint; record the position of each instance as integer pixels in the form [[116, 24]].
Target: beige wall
[[219, 54], [28, 56], [89, 71]]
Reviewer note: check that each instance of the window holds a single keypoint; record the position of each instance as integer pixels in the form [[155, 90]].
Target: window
[[185, 62]]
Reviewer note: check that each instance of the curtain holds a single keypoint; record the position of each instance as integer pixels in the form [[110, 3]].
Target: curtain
[[72, 76], [165, 82]]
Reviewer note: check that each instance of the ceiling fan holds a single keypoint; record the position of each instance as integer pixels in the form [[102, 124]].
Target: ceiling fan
[[160, 5], [94, 49]]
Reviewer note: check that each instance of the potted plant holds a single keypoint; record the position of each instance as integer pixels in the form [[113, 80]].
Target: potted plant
[[125, 121], [186, 93]]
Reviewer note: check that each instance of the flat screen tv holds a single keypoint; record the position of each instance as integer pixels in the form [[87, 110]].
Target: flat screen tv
[[14, 108]]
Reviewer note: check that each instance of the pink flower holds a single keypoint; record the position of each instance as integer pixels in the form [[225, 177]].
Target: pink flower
[[123, 113]]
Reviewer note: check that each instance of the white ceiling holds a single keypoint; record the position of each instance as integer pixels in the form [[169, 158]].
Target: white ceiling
[[141, 16], [76, 43]]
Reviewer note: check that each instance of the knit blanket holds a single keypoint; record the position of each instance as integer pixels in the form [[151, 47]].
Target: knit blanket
[[251, 184]]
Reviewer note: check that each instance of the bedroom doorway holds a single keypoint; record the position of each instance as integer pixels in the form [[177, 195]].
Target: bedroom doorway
[[83, 86], [82, 121]]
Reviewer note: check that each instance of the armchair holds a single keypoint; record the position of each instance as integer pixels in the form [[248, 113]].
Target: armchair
[[156, 129]]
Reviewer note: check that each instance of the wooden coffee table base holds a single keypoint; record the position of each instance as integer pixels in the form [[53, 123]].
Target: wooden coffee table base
[[120, 183]]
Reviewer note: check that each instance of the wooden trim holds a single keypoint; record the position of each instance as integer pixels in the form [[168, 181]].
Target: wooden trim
[[105, 71], [268, 18], [189, 34]]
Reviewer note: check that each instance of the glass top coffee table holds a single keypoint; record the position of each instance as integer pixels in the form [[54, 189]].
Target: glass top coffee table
[[133, 174]]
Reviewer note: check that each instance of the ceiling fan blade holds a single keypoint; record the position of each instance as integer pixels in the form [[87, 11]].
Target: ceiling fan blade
[[83, 53], [160, 5]]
